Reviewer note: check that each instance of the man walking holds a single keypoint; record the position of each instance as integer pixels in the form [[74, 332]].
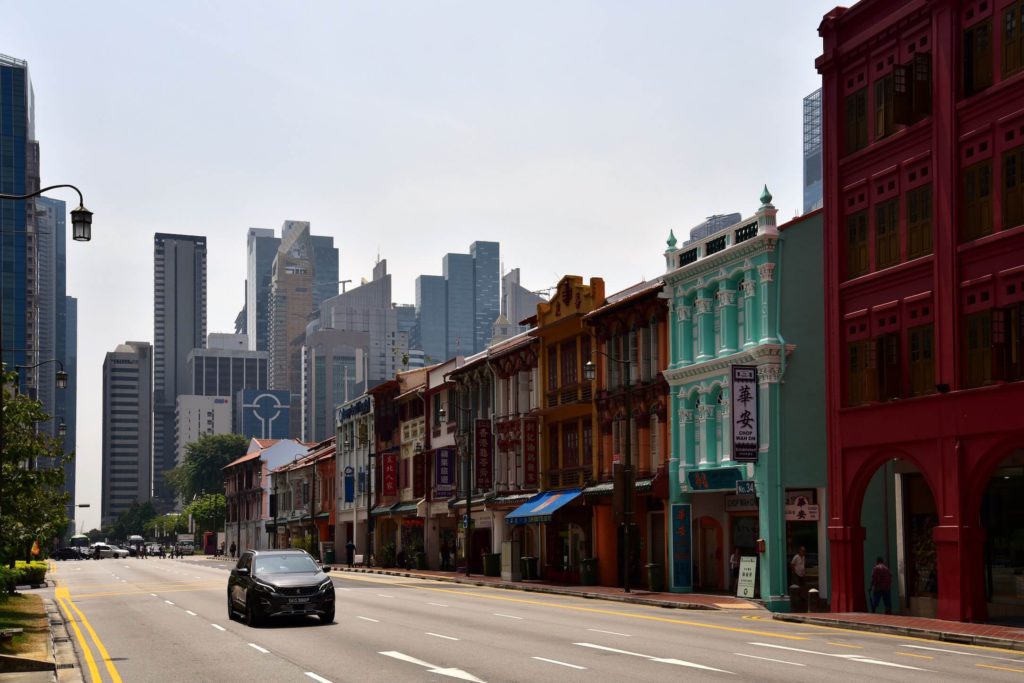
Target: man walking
[[881, 583], [350, 553], [799, 566], [233, 548]]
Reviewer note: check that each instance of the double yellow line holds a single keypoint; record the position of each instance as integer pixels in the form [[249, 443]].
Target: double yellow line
[[63, 597]]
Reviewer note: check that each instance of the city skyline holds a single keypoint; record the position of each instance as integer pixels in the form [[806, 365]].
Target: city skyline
[[569, 123]]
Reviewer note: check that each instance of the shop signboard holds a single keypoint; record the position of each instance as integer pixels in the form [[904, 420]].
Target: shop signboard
[[444, 472], [682, 547], [389, 474], [748, 577], [530, 452], [483, 454], [350, 485], [741, 503], [744, 413], [802, 511], [722, 478]]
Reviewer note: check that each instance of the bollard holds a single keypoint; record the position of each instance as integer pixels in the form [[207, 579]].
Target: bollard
[[812, 600]]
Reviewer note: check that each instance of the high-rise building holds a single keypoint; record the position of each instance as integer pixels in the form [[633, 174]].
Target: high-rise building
[[334, 364], [486, 291], [460, 332], [261, 250], [262, 414], [127, 428], [179, 321], [430, 333], [196, 416], [812, 151], [225, 372], [517, 302], [67, 400], [48, 314]]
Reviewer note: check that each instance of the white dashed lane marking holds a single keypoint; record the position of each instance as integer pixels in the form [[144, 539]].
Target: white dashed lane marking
[[260, 649], [218, 627]]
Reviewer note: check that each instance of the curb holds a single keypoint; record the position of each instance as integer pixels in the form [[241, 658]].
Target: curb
[[64, 656], [926, 634], [531, 588]]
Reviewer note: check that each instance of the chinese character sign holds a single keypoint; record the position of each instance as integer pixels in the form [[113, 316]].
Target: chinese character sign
[[483, 454], [530, 452], [682, 547], [744, 413], [444, 472], [389, 474]]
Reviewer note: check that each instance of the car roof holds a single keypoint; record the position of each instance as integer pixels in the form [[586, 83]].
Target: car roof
[[280, 551]]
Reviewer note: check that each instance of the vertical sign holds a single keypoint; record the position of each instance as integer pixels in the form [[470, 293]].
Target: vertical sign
[[419, 473], [444, 479], [744, 413], [389, 463], [483, 454], [530, 451], [682, 547], [748, 577], [350, 485]]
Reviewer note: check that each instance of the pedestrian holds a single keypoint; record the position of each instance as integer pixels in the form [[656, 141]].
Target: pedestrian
[[799, 566], [734, 569], [350, 553], [881, 583], [446, 556], [233, 548]]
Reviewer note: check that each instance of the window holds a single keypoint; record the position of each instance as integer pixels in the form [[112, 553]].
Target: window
[[979, 349], [1013, 188], [919, 221], [1008, 343], [552, 368], [569, 369], [887, 234], [570, 446], [977, 58], [977, 188], [553, 448], [857, 121], [884, 107], [1013, 55], [856, 244], [860, 388], [889, 366], [922, 360], [587, 440]]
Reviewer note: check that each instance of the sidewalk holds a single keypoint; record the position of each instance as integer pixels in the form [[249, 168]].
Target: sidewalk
[[638, 596], [989, 635]]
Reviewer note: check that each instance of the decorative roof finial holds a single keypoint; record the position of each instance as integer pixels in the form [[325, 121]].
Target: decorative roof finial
[[671, 239], [766, 197]]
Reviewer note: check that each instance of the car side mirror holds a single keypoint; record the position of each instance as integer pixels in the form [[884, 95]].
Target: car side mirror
[[241, 571], [326, 568]]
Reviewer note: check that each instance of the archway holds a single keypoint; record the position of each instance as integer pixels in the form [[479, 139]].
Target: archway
[[1002, 517]]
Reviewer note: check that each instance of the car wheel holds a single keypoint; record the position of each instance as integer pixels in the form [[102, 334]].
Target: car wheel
[[231, 611], [327, 618], [251, 618]]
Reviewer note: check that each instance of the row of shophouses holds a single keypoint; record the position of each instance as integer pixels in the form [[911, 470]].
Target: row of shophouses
[[706, 405]]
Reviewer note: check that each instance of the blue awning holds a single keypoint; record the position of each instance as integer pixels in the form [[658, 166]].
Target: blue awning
[[541, 507]]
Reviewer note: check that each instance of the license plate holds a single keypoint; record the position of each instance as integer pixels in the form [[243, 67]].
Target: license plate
[[297, 601]]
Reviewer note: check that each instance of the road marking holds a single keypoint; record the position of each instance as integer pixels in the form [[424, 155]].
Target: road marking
[[438, 635], [218, 627], [168, 602], [339, 588], [190, 613], [382, 595], [768, 659], [911, 654], [1000, 668], [153, 594], [855, 647], [260, 649], [454, 673], [555, 661], [663, 660], [317, 678], [222, 566], [436, 604], [376, 621], [94, 672], [965, 654], [507, 616], [62, 592], [611, 633], [854, 658]]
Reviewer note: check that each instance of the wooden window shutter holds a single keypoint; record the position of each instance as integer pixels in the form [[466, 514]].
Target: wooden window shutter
[[903, 104]]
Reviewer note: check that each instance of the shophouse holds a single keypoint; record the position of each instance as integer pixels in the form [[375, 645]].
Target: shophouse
[[303, 506], [747, 453], [924, 298], [355, 466], [440, 468], [631, 400]]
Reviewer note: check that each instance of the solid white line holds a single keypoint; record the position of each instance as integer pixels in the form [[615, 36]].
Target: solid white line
[[218, 627], [339, 588], [958, 652], [611, 633], [768, 659], [436, 604], [168, 602], [863, 659], [257, 647], [406, 658], [438, 635], [317, 678], [376, 621], [190, 612], [662, 660], [555, 661], [507, 616]]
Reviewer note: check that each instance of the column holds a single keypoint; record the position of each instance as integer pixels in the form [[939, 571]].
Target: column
[[705, 326], [771, 491], [766, 276], [707, 425], [687, 450], [683, 354], [727, 319], [750, 327]]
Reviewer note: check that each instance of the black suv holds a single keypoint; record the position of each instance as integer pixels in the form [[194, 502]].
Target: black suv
[[274, 583]]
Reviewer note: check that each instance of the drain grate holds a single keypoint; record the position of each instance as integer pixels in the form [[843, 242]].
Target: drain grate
[[65, 666]]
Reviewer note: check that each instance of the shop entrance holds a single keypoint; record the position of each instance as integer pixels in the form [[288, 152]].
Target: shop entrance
[[709, 554], [1002, 515]]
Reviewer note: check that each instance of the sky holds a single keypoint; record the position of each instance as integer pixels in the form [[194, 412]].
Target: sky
[[576, 134]]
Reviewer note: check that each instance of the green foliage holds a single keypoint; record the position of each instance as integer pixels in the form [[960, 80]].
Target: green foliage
[[32, 498], [134, 520], [207, 512], [303, 543], [166, 527], [8, 580], [205, 459], [95, 535], [30, 572]]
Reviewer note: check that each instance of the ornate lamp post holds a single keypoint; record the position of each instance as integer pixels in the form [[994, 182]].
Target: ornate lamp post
[[81, 218]]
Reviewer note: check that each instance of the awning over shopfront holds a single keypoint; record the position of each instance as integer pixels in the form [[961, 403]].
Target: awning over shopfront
[[401, 508], [542, 507]]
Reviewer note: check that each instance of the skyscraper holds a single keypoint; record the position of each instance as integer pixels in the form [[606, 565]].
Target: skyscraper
[[67, 400], [334, 372], [517, 302], [486, 291], [127, 428], [812, 152], [431, 331], [179, 320]]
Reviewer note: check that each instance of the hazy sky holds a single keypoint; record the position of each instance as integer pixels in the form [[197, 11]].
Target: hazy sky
[[574, 133]]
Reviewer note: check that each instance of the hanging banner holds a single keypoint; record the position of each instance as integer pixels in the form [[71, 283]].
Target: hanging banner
[[530, 452], [444, 472], [389, 474], [744, 413], [350, 485], [682, 547], [483, 454]]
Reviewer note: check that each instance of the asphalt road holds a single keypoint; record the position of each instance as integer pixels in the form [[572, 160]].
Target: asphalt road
[[160, 620]]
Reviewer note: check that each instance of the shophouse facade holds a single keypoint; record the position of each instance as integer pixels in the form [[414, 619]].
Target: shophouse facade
[[440, 466], [735, 428], [356, 459], [924, 256], [303, 506]]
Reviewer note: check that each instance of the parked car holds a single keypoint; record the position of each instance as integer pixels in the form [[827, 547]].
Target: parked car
[[272, 583], [67, 554], [119, 551], [100, 551]]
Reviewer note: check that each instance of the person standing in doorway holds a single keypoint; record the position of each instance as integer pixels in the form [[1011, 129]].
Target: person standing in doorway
[[734, 569], [446, 556], [799, 566], [233, 549], [881, 584], [350, 553]]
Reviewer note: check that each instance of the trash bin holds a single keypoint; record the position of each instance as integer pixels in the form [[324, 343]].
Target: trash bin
[[588, 571], [492, 564], [529, 565], [655, 578], [329, 555]]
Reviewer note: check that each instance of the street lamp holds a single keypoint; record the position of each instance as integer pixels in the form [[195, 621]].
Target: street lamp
[[461, 439], [589, 373], [81, 218], [62, 429], [60, 377]]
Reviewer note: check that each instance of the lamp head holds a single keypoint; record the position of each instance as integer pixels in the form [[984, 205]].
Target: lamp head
[[62, 430], [62, 379], [589, 371], [81, 224]]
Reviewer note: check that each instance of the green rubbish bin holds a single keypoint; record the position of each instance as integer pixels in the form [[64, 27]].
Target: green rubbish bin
[[329, 555], [529, 567], [492, 564], [588, 571], [655, 578]]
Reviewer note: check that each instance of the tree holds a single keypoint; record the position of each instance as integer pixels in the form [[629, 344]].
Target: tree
[[32, 498], [207, 512], [133, 520], [203, 468]]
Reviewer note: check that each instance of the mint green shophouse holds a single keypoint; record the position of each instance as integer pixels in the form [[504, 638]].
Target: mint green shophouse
[[747, 384]]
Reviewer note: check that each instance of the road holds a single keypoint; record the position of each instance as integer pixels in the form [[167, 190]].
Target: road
[[145, 620]]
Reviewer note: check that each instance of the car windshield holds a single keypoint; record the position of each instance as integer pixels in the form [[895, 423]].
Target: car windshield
[[284, 564]]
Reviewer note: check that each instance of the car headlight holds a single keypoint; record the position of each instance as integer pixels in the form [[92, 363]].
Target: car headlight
[[265, 587], [327, 583]]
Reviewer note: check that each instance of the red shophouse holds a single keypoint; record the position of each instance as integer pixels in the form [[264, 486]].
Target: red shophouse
[[923, 123]]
